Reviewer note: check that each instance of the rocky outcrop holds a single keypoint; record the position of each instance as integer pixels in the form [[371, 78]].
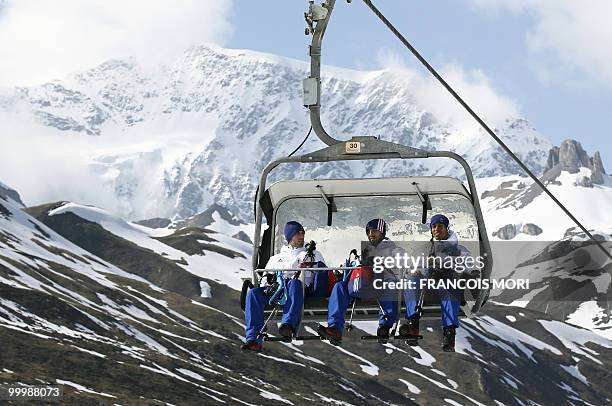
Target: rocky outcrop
[[504, 190], [553, 158], [585, 181], [8, 193], [597, 169], [205, 218], [507, 232], [242, 236], [531, 229], [570, 156], [156, 222]]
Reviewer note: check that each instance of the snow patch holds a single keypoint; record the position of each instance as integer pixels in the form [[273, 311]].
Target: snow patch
[[205, 289], [83, 388], [575, 372], [410, 386], [575, 338]]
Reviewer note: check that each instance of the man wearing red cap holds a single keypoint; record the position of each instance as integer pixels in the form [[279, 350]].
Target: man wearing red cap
[[290, 257]]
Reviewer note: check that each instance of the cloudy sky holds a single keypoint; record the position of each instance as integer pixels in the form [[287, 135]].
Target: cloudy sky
[[549, 61]]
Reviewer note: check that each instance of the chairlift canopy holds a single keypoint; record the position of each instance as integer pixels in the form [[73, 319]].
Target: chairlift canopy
[[369, 186]]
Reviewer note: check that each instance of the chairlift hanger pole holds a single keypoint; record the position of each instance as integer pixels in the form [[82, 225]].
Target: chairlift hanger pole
[[312, 92], [319, 16]]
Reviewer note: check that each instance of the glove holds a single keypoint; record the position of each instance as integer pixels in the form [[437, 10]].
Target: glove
[[270, 278]]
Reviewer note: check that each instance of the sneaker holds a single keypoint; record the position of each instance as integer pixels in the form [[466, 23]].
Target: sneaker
[[411, 330], [252, 346], [332, 334], [286, 330], [448, 339], [383, 334]]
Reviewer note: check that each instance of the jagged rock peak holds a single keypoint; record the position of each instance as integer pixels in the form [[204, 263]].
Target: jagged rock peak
[[570, 156], [553, 158], [597, 169]]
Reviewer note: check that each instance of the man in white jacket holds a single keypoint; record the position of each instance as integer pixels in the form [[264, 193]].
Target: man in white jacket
[[291, 256], [446, 245]]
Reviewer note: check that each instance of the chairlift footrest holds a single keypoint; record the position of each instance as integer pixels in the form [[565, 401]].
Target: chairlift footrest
[[398, 337], [298, 338], [409, 337]]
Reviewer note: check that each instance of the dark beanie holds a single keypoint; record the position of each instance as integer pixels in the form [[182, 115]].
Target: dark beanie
[[439, 218], [291, 229], [377, 224]]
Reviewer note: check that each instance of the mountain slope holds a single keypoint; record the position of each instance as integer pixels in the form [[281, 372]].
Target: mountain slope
[[105, 334], [165, 256]]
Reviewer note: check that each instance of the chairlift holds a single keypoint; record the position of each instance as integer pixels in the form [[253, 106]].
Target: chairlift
[[335, 211]]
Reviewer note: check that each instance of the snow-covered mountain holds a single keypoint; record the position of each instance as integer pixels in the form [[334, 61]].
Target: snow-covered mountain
[[90, 302], [171, 141]]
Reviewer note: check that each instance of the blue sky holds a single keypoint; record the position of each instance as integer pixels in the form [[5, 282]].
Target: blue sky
[[548, 84]]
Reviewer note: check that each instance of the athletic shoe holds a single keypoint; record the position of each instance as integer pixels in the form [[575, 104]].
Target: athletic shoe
[[383, 334], [411, 329], [252, 346], [286, 331], [448, 339], [332, 334]]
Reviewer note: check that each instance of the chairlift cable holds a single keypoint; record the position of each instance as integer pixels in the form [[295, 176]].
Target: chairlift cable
[[294, 151], [440, 79], [300, 146]]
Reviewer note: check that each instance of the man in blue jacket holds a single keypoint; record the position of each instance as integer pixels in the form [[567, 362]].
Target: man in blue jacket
[[290, 257], [379, 245]]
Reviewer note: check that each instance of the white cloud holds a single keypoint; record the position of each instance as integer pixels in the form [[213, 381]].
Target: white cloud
[[473, 86], [45, 167], [566, 35], [41, 40]]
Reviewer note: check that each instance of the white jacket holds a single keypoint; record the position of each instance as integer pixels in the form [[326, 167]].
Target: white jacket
[[289, 258], [451, 248]]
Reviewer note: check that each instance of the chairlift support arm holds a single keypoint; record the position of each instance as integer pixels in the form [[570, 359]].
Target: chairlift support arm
[[317, 19]]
